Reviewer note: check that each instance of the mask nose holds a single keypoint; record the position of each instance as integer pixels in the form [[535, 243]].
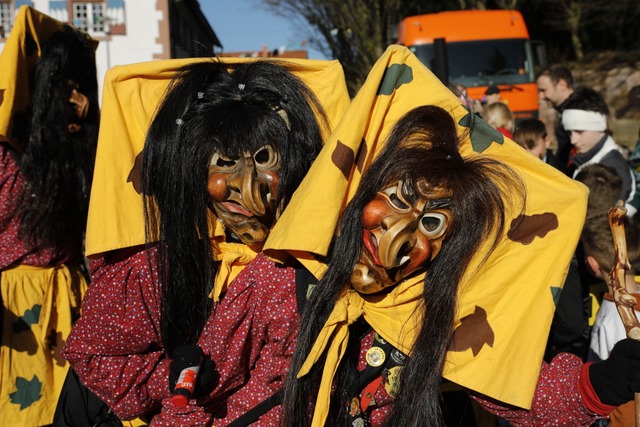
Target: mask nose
[[246, 185], [397, 242]]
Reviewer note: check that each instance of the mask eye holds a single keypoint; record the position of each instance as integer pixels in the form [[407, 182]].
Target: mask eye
[[222, 162], [433, 224], [394, 196], [266, 157]]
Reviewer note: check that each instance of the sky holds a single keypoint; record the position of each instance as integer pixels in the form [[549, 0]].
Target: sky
[[245, 25]]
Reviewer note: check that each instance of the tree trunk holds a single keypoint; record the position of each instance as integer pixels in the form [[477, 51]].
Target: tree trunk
[[574, 14]]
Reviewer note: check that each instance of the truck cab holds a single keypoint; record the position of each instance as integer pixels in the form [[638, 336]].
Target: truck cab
[[483, 48]]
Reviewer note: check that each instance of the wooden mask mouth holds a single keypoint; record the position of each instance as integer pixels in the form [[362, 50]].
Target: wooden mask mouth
[[78, 109]]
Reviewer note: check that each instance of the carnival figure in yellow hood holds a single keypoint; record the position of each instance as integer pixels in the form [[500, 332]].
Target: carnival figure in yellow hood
[[227, 144], [444, 252], [48, 133]]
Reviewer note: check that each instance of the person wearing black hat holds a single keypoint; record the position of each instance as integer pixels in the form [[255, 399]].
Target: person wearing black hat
[[492, 95]]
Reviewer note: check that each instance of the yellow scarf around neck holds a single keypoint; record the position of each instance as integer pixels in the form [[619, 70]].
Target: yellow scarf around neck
[[233, 257], [394, 316]]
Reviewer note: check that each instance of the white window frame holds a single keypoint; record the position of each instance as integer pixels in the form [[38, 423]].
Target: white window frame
[[6, 18], [90, 17]]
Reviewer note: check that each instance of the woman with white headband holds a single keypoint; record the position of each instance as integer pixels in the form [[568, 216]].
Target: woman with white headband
[[586, 119]]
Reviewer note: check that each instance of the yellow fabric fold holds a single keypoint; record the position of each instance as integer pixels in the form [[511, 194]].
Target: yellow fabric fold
[[392, 315], [17, 61], [68, 286], [348, 308], [130, 97], [505, 306], [39, 306], [233, 257]]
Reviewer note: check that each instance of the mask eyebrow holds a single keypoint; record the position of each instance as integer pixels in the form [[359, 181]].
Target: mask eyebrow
[[408, 191], [437, 204]]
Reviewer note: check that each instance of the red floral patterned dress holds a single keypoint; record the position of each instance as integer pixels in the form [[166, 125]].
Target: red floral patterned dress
[[41, 294]]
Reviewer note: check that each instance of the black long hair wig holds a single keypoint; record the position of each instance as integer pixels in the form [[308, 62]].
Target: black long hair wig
[[423, 144], [58, 165], [209, 108]]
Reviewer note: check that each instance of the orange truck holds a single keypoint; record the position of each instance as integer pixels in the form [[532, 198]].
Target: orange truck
[[481, 48]]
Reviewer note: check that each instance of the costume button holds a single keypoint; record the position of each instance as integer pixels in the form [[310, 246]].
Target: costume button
[[375, 356]]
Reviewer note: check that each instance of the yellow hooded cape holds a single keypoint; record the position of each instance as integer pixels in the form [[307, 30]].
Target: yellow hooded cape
[[130, 98], [506, 306], [30, 381], [17, 61]]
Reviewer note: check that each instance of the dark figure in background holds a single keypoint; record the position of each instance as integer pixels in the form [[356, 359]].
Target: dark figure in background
[[43, 206], [574, 316]]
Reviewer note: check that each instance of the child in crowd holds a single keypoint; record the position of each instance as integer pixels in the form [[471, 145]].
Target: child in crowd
[[500, 116], [532, 135], [604, 185], [492, 95], [599, 252], [585, 117], [608, 328]]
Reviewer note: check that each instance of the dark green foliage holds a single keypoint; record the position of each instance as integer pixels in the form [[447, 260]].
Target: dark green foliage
[[482, 134], [30, 317], [27, 392]]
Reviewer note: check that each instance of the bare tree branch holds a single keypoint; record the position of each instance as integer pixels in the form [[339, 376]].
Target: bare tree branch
[[354, 31]]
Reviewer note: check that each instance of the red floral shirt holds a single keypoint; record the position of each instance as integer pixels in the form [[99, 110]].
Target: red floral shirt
[[557, 400], [251, 337], [14, 251], [116, 348]]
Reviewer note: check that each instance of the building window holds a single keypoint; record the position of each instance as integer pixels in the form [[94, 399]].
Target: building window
[[89, 17], [6, 19]]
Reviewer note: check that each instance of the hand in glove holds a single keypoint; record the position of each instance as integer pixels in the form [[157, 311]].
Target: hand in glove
[[186, 356], [617, 378]]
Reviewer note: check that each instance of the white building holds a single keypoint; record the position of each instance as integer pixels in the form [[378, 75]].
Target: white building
[[129, 31]]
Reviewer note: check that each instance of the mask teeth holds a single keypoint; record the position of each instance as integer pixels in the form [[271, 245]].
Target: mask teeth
[[405, 259], [365, 276], [268, 197]]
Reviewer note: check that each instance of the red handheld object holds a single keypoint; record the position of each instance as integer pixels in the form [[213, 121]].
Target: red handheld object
[[184, 386]]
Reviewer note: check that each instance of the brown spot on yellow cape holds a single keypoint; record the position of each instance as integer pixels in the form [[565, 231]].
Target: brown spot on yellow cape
[[473, 333], [362, 155], [525, 228], [135, 175], [343, 157]]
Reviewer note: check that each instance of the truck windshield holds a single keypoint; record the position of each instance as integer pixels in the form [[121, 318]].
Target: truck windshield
[[483, 62]]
